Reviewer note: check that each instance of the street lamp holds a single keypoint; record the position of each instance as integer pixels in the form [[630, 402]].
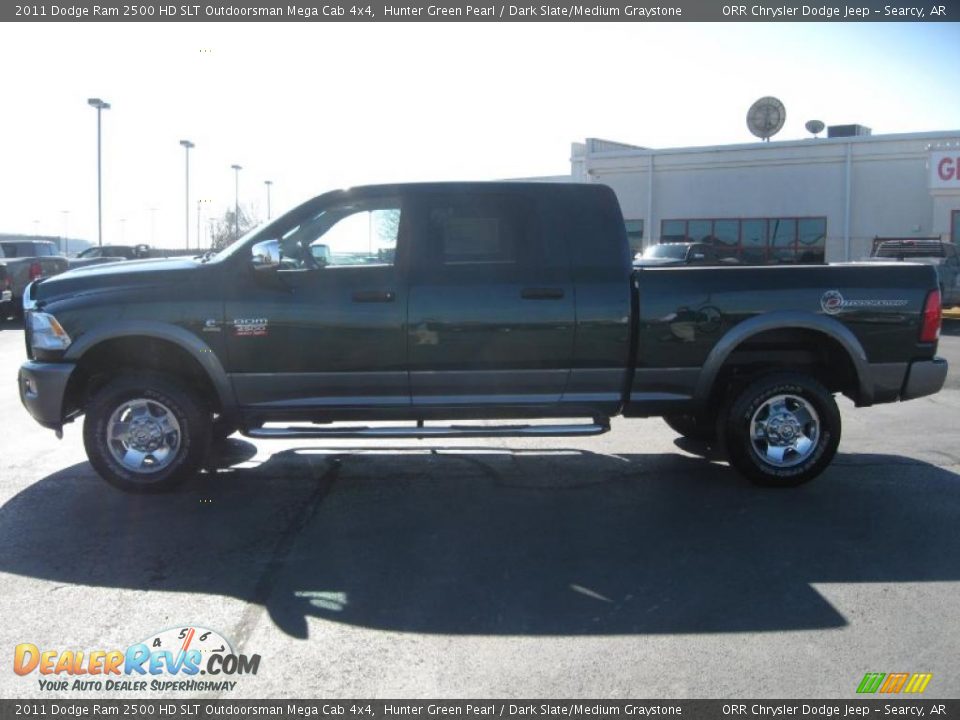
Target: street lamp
[[100, 105], [199, 214], [268, 183], [236, 201], [186, 146], [66, 232]]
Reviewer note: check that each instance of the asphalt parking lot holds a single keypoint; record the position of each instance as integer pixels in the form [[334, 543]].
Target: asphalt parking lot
[[621, 566]]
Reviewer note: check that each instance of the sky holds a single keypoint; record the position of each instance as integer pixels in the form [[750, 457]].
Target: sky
[[313, 106]]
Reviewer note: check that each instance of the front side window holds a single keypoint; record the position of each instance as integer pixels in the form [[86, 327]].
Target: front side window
[[367, 237], [359, 234]]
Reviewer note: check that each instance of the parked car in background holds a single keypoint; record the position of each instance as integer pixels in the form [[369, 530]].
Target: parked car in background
[[677, 253], [930, 251], [100, 254], [23, 262], [6, 290]]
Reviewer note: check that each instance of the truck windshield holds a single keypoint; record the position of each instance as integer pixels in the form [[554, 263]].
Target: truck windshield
[[675, 252], [235, 247]]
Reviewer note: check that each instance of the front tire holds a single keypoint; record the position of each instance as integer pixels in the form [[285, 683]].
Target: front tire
[[782, 430], [145, 433]]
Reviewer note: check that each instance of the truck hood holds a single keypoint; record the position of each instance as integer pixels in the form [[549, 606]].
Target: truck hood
[[111, 276]]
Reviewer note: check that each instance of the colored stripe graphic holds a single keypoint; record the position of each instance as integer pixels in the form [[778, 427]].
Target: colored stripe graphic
[[871, 682], [894, 682], [918, 682]]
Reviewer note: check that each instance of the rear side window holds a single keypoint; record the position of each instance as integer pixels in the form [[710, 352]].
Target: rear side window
[[486, 230]]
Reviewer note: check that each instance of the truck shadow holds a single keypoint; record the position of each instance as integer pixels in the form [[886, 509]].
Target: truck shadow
[[502, 542]]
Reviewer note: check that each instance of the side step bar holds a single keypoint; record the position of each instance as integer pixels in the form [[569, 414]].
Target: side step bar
[[597, 427]]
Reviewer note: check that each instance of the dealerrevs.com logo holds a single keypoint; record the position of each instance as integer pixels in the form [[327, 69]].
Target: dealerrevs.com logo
[[183, 659]]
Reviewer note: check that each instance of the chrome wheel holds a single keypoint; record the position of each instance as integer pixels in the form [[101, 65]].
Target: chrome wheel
[[143, 435], [784, 431]]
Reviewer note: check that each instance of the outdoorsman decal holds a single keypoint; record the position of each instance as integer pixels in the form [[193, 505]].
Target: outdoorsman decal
[[833, 302]]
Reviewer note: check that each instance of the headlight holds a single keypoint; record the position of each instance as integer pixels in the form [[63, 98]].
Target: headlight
[[46, 333]]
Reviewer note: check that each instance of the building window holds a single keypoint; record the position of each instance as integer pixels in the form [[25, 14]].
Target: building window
[[673, 231], [634, 235], [754, 240], [811, 239]]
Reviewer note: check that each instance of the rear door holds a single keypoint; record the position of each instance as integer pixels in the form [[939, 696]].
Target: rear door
[[491, 305]]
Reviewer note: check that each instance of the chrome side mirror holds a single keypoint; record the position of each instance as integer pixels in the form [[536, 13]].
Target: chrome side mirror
[[265, 255], [321, 253]]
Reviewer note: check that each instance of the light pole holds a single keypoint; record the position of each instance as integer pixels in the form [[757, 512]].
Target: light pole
[[236, 201], [199, 213], [66, 232], [186, 146], [100, 105], [268, 183]]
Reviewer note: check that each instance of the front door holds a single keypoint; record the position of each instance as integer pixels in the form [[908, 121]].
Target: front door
[[328, 329]]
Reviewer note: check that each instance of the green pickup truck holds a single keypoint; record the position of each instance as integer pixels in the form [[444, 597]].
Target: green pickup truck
[[422, 306]]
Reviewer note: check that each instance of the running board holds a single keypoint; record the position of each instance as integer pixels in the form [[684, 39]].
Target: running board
[[597, 427]]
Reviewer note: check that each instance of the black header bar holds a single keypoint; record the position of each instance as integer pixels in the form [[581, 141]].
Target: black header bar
[[484, 11], [194, 709]]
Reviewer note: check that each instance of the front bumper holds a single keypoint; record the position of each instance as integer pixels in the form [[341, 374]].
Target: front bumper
[[43, 387], [924, 377]]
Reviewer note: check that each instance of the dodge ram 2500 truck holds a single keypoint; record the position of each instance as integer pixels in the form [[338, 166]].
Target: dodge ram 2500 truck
[[427, 305]]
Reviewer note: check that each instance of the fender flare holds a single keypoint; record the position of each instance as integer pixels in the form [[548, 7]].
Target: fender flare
[[175, 334], [785, 320]]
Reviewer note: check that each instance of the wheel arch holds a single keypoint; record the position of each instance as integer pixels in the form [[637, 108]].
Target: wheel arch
[[158, 347], [790, 329]]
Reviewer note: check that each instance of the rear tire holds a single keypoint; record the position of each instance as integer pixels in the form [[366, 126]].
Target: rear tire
[[145, 433], [702, 428], [782, 430]]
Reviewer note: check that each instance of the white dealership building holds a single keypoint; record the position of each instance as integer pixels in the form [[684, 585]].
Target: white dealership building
[[796, 200]]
